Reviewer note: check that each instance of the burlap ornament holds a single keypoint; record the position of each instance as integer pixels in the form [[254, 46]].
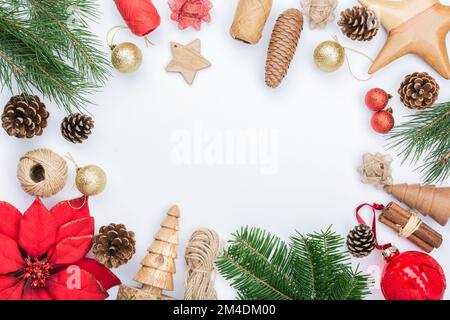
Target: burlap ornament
[[376, 169], [320, 12]]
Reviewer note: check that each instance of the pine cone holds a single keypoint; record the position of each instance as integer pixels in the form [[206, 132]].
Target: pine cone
[[114, 245], [361, 241], [419, 90], [359, 23], [77, 127], [282, 47], [25, 116]]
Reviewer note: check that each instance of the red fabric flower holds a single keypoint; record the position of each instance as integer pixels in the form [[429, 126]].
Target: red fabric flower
[[42, 254], [190, 13]]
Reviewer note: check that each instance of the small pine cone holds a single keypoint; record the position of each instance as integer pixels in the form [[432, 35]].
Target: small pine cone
[[419, 91], [359, 23], [77, 127], [282, 46], [114, 245], [24, 116], [361, 241]]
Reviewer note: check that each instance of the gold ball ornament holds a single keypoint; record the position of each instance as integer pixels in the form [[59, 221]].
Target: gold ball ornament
[[90, 180], [329, 56], [126, 57]]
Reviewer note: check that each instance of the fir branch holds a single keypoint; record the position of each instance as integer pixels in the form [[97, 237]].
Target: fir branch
[[311, 267], [426, 137], [40, 50]]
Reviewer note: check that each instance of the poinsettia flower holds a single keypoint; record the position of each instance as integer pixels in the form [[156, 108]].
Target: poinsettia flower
[[190, 13], [42, 254]]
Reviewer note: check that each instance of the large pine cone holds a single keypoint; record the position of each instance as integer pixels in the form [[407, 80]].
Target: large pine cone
[[361, 241], [24, 116], [359, 23], [419, 90], [114, 245], [77, 127], [282, 46]]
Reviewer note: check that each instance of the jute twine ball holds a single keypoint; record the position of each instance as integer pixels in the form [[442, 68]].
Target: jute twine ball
[[42, 173]]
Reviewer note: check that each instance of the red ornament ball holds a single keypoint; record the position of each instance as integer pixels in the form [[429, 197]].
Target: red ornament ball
[[377, 99], [383, 121], [413, 275]]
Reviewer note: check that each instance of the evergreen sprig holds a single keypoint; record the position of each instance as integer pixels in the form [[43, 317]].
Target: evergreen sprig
[[46, 45], [426, 136], [311, 267]]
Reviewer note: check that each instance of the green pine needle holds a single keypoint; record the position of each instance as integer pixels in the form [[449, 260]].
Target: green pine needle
[[426, 136], [46, 46], [311, 267]]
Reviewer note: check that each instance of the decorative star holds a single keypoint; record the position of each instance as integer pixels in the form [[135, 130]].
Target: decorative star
[[187, 60], [414, 26]]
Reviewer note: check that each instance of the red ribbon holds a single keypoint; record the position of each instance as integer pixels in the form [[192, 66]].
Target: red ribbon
[[374, 207], [140, 16]]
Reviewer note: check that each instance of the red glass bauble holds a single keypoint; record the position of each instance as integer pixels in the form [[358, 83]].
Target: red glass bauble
[[412, 275]]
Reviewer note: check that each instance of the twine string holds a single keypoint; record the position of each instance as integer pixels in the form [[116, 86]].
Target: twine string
[[201, 253], [411, 226], [114, 30]]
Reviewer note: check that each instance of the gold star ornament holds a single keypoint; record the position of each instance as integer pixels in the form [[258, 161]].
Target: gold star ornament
[[187, 60], [414, 26]]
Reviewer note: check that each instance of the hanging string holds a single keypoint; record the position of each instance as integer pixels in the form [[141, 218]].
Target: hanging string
[[374, 207], [85, 198], [116, 29], [335, 38]]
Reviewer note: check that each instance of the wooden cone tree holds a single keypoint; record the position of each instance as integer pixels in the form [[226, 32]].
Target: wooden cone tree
[[428, 200], [158, 266]]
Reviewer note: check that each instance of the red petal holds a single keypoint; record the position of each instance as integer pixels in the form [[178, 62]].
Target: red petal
[[75, 284], [37, 231], [11, 288], [71, 250], [67, 211], [10, 258], [100, 272], [36, 294], [76, 228], [10, 218]]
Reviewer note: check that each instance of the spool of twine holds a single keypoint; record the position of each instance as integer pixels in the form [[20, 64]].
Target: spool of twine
[[201, 253], [140, 16], [42, 173]]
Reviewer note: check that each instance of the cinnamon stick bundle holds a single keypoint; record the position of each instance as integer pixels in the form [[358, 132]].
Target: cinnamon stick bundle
[[425, 237]]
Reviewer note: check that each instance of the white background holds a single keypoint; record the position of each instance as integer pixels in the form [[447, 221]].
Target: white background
[[323, 126]]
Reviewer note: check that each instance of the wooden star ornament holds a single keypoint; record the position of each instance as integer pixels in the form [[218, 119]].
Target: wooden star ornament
[[414, 26], [187, 60]]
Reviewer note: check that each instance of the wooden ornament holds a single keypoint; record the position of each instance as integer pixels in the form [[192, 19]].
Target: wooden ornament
[[250, 19], [428, 200], [158, 266], [422, 235], [187, 60], [414, 26]]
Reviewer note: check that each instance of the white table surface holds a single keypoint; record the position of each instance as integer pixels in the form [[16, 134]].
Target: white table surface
[[312, 132]]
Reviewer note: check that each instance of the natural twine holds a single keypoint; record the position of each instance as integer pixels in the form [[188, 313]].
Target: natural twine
[[411, 226], [201, 253], [42, 173]]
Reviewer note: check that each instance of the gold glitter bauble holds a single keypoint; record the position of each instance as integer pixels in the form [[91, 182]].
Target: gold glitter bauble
[[329, 56], [126, 57], [90, 180]]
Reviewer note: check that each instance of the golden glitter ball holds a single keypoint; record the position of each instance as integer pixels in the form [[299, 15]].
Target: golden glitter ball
[[90, 180], [329, 56], [126, 57]]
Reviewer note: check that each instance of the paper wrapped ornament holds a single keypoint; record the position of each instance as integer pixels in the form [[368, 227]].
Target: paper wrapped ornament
[[250, 19], [158, 266], [428, 200], [414, 26]]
